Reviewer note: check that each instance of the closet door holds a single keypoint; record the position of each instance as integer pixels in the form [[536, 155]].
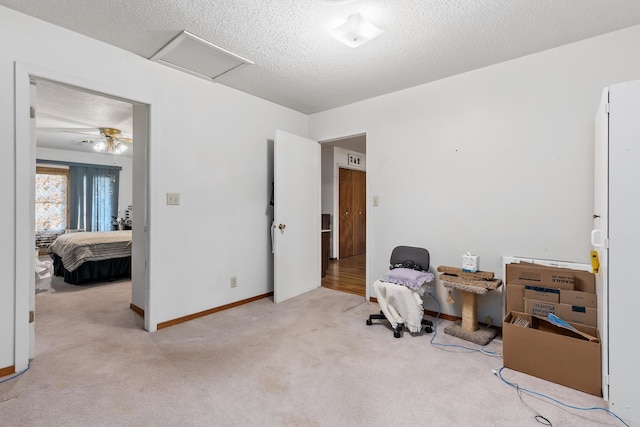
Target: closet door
[[359, 212], [345, 189], [353, 212]]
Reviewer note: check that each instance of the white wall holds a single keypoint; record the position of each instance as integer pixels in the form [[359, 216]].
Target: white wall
[[125, 192], [221, 227], [497, 161]]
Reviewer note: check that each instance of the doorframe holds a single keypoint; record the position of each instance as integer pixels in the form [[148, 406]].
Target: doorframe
[[335, 223], [24, 196]]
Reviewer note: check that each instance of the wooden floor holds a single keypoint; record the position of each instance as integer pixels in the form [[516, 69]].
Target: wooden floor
[[346, 275]]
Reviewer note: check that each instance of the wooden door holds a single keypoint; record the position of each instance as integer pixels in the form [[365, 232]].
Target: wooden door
[[346, 213], [353, 212]]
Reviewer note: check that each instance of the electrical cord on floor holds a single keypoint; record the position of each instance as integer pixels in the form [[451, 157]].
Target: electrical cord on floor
[[15, 376], [540, 418], [484, 351]]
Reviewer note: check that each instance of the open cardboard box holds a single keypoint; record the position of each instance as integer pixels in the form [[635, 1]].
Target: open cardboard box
[[554, 353], [528, 274]]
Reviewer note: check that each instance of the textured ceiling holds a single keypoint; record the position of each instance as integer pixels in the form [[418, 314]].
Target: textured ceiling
[[298, 65], [68, 119]]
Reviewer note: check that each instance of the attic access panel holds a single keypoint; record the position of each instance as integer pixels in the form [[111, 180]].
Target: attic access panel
[[194, 55]]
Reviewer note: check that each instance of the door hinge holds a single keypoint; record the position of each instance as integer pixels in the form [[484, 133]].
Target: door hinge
[[606, 379], [607, 108], [32, 112], [606, 243], [32, 316]]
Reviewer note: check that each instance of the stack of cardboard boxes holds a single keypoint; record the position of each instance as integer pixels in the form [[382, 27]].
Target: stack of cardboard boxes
[[568, 355], [539, 290]]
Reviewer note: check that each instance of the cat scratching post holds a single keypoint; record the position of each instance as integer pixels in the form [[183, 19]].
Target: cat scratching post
[[471, 285], [469, 311]]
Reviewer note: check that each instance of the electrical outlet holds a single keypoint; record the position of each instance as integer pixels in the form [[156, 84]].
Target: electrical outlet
[[173, 198], [234, 281]]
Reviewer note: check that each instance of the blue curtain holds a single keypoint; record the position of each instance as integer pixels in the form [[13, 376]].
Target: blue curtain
[[93, 197]]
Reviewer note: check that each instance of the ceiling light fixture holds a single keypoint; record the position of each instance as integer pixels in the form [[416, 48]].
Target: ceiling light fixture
[[113, 142], [356, 31]]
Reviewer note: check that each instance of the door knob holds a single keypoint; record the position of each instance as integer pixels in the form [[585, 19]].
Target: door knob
[[346, 214], [282, 226]]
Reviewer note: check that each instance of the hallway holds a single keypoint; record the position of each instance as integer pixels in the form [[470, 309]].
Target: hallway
[[347, 275]]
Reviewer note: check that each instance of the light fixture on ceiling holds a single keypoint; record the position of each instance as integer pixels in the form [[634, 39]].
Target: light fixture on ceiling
[[113, 142], [336, 2], [356, 31], [194, 55]]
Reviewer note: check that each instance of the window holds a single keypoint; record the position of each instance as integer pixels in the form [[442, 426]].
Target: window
[[52, 204], [94, 197], [77, 196]]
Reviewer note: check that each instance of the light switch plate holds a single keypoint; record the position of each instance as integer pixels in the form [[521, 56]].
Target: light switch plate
[[354, 159], [173, 198]]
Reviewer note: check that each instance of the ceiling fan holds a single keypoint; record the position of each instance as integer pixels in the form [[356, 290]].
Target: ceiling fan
[[110, 141]]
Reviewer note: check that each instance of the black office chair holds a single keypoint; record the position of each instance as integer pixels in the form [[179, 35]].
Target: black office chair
[[406, 257]]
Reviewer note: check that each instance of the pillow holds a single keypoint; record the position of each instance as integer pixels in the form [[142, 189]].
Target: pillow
[[410, 278]]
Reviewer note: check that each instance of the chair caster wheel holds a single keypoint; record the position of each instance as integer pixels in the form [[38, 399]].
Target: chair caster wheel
[[428, 329], [369, 322], [396, 334]]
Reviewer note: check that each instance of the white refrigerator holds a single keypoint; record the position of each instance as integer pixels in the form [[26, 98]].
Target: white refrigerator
[[616, 238]]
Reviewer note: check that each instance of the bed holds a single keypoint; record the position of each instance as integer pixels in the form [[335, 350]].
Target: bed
[[90, 256]]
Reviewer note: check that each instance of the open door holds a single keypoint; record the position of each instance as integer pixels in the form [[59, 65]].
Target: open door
[[296, 225]]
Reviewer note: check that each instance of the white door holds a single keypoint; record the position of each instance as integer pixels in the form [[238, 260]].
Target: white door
[[296, 226], [624, 234]]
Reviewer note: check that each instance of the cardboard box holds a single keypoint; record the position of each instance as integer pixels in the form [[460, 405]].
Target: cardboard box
[[577, 314], [540, 308], [554, 353], [583, 299], [540, 276], [583, 281], [514, 298], [542, 294]]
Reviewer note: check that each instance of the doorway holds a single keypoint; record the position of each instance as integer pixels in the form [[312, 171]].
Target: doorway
[[25, 149], [344, 197]]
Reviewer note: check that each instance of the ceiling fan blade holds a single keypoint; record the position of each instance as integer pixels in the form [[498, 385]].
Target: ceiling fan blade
[[84, 141], [96, 134], [72, 130]]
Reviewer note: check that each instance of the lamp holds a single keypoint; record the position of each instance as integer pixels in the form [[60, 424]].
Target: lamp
[[356, 31], [111, 143]]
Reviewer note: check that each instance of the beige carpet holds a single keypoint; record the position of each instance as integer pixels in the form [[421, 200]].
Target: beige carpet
[[310, 361]]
